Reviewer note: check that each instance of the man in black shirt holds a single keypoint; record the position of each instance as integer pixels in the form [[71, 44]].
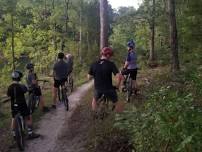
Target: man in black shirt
[[61, 71], [102, 71], [16, 92]]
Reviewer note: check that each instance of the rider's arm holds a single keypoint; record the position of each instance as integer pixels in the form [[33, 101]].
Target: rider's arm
[[118, 79], [126, 65]]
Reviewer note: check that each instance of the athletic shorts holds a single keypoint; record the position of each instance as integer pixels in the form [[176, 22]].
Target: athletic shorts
[[58, 83], [110, 94], [22, 109], [132, 72]]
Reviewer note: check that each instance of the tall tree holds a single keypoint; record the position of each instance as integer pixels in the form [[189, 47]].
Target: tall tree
[[173, 36], [152, 26], [103, 23]]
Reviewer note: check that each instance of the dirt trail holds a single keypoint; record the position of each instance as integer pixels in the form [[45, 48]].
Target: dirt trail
[[53, 124]]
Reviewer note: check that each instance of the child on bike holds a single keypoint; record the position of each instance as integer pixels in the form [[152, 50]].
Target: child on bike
[[16, 92], [34, 87]]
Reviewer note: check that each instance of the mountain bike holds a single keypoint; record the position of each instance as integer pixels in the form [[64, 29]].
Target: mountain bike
[[69, 84], [129, 87], [62, 96], [33, 99], [19, 129], [104, 107]]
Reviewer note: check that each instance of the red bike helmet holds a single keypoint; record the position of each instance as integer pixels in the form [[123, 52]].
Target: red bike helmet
[[107, 51]]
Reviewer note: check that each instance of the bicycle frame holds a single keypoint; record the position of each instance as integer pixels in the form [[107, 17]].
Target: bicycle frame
[[33, 101], [129, 86], [62, 96], [103, 107]]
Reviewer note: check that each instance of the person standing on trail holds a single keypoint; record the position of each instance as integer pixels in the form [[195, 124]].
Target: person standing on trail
[[130, 66], [16, 92], [101, 71], [32, 83], [61, 71]]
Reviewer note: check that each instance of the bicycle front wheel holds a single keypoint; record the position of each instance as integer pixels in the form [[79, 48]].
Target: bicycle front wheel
[[129, 90], [65, 100], [31, 103], [19, 133]]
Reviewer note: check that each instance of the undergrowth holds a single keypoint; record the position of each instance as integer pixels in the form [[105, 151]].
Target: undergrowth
[[170, 119]]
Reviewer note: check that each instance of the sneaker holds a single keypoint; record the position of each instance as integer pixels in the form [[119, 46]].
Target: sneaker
[[54, 106], [33, 136], [123, 89], [46, 109]]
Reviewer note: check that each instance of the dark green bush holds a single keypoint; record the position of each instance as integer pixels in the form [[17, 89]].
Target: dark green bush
[[167, 122]]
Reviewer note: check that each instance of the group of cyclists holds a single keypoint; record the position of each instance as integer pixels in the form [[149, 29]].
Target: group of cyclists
[[101, 71]]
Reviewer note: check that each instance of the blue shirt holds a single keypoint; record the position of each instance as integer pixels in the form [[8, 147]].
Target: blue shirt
[[132, 60]]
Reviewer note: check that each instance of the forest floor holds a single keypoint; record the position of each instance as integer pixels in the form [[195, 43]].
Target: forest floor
[[77, 131]]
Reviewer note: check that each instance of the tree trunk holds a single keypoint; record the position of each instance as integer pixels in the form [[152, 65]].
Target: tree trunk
[[152, 45], [173, 36], [66, 15], [80, 38], [54, 29], [103, 23], [12, 41]]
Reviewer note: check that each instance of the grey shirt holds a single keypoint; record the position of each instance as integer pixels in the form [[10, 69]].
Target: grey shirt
[[132, 60], [61, 70]]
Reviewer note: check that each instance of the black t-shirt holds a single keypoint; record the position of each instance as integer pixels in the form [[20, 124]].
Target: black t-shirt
[[17, 92], [102, 73], [61, 70]]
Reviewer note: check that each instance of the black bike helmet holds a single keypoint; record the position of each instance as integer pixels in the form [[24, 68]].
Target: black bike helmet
[[16, 75], [61, 55], [30, 66]]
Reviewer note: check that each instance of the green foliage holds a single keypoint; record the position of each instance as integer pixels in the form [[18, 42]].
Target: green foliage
[[41, 30], [167, 122]]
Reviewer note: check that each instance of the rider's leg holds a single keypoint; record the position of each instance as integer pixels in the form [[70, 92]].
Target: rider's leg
[[112, 95], [55, 92], [124, 74], [94, 104], [119, 107], [97, 96], [29, 123], [38, 93], [42, 104], [13, 127], [133, 74]]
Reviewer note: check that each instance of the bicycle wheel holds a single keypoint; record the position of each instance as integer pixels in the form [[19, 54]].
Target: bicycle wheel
[[59, 95], [31, 103], [129, 89], [71, 84], [19, 133], [103, 108], [65, 99]]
